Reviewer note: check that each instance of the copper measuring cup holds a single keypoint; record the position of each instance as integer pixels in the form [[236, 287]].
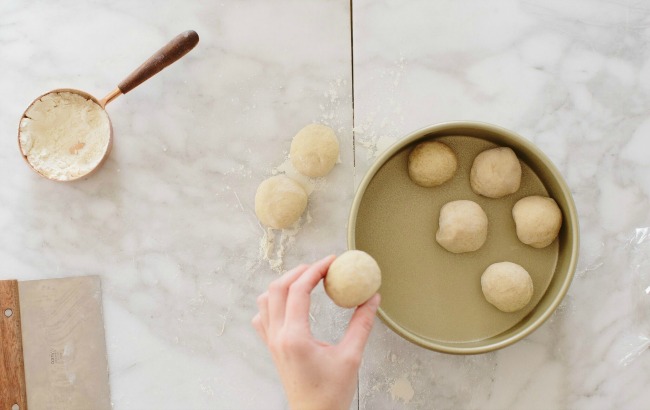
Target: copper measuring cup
[[174, 50]]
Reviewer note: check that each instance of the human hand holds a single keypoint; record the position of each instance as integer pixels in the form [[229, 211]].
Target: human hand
[[315, 375]]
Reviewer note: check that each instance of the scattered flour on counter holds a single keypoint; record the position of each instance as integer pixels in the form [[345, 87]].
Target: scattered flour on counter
[[382, 127], [275, 243], [402, 390], [399, 389], [374, 143], [332, 101], [384, 142], [240, 170]]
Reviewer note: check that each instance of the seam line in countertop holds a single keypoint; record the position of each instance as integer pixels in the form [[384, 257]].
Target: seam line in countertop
[[354, 154]]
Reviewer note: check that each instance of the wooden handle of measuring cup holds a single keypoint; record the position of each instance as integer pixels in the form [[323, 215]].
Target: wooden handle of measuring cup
[[12, 369], [175, 49]]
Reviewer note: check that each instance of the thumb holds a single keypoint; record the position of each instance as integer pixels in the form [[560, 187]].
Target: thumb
[[356, 336]]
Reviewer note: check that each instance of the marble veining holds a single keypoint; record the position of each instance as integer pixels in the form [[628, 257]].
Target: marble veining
[[571, 77], [168, 223]]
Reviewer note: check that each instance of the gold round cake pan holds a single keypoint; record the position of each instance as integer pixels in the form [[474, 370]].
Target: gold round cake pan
[[433, 297]]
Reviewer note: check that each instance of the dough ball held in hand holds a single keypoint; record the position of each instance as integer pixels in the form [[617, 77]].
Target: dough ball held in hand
[[314, 150], [538, 220], [507, 286], [432, 163], [495, 173], [352, 279], [462, 226], [279, 202]]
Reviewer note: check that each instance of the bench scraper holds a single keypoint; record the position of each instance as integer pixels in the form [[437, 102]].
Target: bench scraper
[[52, 345]]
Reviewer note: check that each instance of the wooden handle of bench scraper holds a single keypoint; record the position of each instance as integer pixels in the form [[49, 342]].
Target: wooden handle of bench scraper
[[13, 392]]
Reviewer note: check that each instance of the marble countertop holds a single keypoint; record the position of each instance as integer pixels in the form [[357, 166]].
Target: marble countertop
[[168, 222]]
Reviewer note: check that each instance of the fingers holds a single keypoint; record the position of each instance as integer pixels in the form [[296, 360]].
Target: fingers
[[261, 320], [257, 324], [275, 303], [356, 336], [297, 312], [263, 306], [278, 291]]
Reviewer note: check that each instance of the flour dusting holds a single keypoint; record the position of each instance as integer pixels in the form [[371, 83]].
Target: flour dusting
[[275, 243], [402, 390], [382, 127]]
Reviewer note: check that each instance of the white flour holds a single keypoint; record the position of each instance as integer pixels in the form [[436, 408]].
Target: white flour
[[275, 242], [383, 125], [402, 390], [64, 136]]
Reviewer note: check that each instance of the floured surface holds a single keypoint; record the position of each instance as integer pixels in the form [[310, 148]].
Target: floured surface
[[169, 222], [402, 390], [275, 243], [572, 77]]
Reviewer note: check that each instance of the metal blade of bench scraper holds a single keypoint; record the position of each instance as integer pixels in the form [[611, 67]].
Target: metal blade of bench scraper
[[64, 345]]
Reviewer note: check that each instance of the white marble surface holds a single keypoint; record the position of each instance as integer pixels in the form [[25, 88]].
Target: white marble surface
[[574, 78], [168, 221]]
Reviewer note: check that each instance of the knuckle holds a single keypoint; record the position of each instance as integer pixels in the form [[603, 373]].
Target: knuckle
[[291, 275], [286, 342], [297, 287], [262, 299], [352, 360], [274, 342], [275, 286], [367, 324]]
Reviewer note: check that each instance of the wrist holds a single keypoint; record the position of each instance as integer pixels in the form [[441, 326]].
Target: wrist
[[318, 402]]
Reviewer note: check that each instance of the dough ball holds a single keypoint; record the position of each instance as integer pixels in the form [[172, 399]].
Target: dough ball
[[279, 202], [432, 163], [507, 286], [495, 173], [538, 220], [462, 226], [352, 279], [314, 150]]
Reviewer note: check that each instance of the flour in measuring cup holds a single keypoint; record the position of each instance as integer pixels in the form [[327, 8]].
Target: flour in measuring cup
[[64, 136]]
